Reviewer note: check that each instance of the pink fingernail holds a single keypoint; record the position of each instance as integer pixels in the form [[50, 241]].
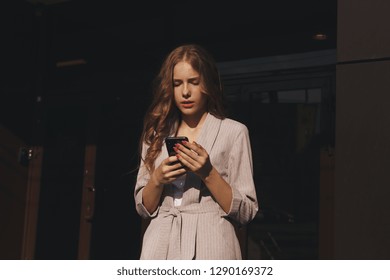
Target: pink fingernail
[[184, 142]]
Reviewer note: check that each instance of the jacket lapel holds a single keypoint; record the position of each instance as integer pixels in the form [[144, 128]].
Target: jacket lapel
[[209, 132]]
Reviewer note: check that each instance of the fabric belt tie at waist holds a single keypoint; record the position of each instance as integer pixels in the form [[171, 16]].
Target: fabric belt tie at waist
[[182, 239]]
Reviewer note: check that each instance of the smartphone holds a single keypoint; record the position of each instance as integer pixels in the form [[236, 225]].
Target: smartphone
[[171, 141]]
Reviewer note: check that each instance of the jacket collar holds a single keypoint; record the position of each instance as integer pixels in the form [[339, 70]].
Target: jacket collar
[[209, 132]]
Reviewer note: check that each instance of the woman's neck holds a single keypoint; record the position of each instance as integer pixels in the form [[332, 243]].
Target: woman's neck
[[191, 126], [193, 122]]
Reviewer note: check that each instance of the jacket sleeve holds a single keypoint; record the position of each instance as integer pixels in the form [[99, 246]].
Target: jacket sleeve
[[143, 178], [244, 204]]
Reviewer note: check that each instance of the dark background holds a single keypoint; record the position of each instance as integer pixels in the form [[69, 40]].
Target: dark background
[[123, 43]]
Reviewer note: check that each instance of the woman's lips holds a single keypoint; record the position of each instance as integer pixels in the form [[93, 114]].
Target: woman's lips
[[187, 104]]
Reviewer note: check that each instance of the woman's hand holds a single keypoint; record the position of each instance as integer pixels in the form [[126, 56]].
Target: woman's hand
[[169, 170], [194, 157], [165, 173]]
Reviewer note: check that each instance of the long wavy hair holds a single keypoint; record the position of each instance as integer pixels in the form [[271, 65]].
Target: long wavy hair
[[163, 116]]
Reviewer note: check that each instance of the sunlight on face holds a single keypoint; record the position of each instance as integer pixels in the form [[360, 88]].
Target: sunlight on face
[[189, 97]]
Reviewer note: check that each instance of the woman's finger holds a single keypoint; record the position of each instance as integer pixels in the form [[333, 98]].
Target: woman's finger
[[169, 176], [173, 175], [186, 150], [195, 147], [170, 160], [190, 156], [186, 161]]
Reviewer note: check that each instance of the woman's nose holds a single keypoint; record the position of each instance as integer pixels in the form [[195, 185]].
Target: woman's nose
[[186, 91]]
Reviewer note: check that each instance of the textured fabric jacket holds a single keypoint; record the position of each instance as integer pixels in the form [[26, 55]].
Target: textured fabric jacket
[[199, 228]]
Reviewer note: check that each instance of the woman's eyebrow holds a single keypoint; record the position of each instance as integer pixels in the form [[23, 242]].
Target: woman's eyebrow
[[189, 79]]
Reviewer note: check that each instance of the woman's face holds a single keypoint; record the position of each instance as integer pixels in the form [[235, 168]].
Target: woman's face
[[189, 97]]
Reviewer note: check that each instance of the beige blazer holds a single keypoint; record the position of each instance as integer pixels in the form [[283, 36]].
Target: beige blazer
[[199, 228]]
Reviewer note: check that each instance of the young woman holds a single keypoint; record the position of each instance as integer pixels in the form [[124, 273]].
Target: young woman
[[195, 197]]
